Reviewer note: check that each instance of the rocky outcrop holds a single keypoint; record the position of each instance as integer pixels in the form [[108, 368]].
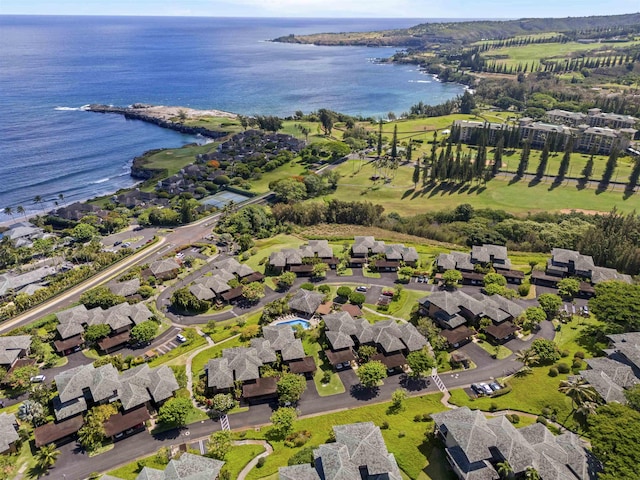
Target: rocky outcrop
[[139, 112]]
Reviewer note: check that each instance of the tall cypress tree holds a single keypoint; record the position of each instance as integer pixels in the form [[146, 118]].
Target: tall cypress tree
[[409, 151], [380, 139], [394, 143], [544, 160], [587, 171], [416, 174], [524, 159], [564, 163], [497, 157]]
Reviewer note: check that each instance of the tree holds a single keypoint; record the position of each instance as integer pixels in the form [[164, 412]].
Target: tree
[[610, 167], [289, 190], [533, 316], [253, 291], [524, 159], [92, 433], [544, 160], [83, 232], [451, 278], [47, 456], [20, 378], [545, 350], [497, 157], [398, 397], [568, 287], [416, 173], [634, 177], [550, 303], [365, 352], [286, 280], [372, 373], [495, 278], [145, 331], [100, 297], [344, 292], [578, 390], [633, 396], [93, 333], [290, 387], [420, 363], [587, 171], [319, 270], [614, 433], [394, 142], [282, 420], [175, 411], [564, 163], [617, 304], [505, 470], [327, 118], [531, 474], [379, 145], [219, 444], [21, 211], [38, 201], [223, 402], [357, 298], [32, 412], [184, 300], [9, 212], [467, 102], [528, 357]]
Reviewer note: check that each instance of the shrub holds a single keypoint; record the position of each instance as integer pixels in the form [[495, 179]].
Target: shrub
[[515, 418], [385, 425], [261, 462], [493, 407], [425, 417], [541, 420], [563, 368], [579, 354], [503, 391], [326, 377], [304, 456], [324, 289], [297, 439], [344, 292], [553, 372], [308, 286], [523, 289], [546, 411], [401, 434], [564, 353], [417, 418]]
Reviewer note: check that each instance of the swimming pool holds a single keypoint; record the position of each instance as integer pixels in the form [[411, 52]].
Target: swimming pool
[[297, 321]]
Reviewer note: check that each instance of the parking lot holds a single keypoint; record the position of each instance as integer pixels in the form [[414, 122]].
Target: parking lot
[[131, 238]]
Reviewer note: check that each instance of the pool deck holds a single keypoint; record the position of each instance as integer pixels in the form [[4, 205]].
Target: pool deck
[[313, 322]]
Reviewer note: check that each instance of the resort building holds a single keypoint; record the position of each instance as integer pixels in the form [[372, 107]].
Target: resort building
[[13, 282], [359, 452], [486, 256], [569, 263], [165, 269], [13, 349], [216, 287], [120, 318], [305, 303], [301, 260], [367, 249], [452, 310], [22, 234], [8, 433], [127, 289], [474, 446]]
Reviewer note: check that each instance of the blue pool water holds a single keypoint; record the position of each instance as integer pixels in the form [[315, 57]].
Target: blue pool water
[[297, 321]]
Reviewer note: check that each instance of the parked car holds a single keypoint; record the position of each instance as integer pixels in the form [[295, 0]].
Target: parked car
[[116, 243], [486, 388], [476, 388], [138, 228], [361, 288], [495, 386], [38, 379], [585, 311], [420, 279], [126, 245], [387, 293], [181, 338]]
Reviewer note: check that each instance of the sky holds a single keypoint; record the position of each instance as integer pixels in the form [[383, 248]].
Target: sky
[[325, 8]]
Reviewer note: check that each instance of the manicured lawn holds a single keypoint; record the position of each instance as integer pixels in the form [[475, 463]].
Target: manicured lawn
[[575, 336], [177, 158], [291, 169], [503, 352], [228, 328], [405, 438], [520, 198], [269, 245], [131, 470], [405, 304], [239, 456], [335, 386], [369, 274], [372, 317]]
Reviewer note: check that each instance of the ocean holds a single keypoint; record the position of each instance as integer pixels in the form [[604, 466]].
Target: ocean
[[52, 66]]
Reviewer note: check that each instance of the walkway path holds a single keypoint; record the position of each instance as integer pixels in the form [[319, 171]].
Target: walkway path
[[210, 343], [268, 450]]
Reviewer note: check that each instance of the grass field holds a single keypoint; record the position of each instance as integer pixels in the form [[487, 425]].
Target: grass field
[[417, 456], [535, 52], [269, 245], [177, 158], [335, 385], [519, 198]]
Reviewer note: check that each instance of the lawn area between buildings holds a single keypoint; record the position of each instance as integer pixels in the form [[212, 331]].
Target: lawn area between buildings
[[236, 460], [402, 307], [201, 359], [267, 246], [519, 198], [502, 353], [417, 453], [335, 385], [219, 331]]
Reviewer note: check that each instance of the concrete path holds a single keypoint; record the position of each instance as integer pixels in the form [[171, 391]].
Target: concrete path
[[268, 450], [190, 358]]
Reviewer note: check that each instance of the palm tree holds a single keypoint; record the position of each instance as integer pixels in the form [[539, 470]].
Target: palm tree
[[8, 211], [38, 201], [531, 474], [528, 357], [523, 372], [505, 470], [579, 390], [20, 211], [32, 412], [587, 408], [47, 456]]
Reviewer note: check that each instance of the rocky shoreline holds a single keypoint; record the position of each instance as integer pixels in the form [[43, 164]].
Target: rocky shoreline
[[162, 117]]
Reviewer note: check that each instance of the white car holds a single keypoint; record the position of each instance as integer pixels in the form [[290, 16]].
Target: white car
[[38, 379], [181, 338]]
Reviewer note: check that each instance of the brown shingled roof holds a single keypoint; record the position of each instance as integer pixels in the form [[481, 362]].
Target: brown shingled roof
[[261, 387], [62, 345], [52, 432], [122, 421], [110, 342], [305, 365]]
